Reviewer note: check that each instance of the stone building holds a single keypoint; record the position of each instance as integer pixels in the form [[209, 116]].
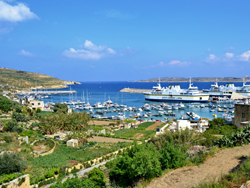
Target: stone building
[[35, 104], [241, 115], [72, 143]]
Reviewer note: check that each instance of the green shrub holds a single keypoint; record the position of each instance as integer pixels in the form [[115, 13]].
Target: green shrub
[[12, 126], [171, 156], [61, 108], [216, 123], [11, 162], [19, 117], [141, 161], [97, 176]]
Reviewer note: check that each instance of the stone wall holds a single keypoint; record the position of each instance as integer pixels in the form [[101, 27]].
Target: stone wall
[[15, 183], [238, 111]]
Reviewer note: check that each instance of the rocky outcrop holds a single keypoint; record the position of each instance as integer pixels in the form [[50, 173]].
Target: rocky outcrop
[[129, 90], [73, 83]]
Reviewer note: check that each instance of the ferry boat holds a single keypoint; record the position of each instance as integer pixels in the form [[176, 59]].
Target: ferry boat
[[244, 90], [220, 91], [176, 94]]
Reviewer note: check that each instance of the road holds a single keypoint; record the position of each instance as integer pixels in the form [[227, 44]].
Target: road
[[80, 173]]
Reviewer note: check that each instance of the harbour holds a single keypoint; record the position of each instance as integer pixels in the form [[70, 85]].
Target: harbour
[[91, 97]]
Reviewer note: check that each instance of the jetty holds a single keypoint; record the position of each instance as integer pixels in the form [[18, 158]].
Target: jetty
[[133, 90], [45, 92]]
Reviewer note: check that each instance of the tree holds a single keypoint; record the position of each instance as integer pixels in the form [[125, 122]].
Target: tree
[[19, 117], [65, 122], [12, 126], [18, 109], [141, 161], [217, 123], [172, 156], [61, 108], [11, 162], [97, 176]]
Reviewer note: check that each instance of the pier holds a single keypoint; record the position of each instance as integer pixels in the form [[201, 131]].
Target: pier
[[133, 90], [45, 92]]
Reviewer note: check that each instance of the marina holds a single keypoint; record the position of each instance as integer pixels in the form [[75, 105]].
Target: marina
[[103, 100]]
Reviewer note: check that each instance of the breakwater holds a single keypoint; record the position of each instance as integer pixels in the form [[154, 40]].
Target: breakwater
[[133, 90], [45, 92]]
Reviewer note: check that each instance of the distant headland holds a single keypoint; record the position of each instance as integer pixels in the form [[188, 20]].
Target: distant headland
[[18, 79], [197, 79]]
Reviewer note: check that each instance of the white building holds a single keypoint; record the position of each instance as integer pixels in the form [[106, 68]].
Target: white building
[[35, 104], [183, 124]]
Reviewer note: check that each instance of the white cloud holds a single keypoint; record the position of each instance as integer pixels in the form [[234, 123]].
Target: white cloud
[[26, 53], [90, 51], [171, 63], [245, 56], [212, 57], [229, 55], [229, 58], [176, 62], [15, 13]]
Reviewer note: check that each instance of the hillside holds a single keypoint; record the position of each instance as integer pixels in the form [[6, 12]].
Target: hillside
[[197, 79], [23, 79]]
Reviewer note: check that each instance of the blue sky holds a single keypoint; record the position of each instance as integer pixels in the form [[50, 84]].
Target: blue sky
[[126, 40]]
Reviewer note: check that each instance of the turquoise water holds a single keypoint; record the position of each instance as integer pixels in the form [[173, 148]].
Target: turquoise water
[[102, 91]]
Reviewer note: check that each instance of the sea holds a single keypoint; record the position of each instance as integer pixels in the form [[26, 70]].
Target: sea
[[102, 91]]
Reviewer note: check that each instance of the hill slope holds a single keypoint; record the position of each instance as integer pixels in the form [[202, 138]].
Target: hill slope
[[197, 79], [23, 79]]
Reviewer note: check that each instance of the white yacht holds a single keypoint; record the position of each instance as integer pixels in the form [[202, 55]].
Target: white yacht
[[176, 94]]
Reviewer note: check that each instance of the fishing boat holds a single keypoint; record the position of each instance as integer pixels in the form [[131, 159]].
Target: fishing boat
[[176, 94]]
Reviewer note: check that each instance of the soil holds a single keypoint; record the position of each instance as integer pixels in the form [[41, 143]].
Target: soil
[[41, 148], [72, 162], [213, 168], [100, 122], [138, 135], [152, 127], [106, 139]]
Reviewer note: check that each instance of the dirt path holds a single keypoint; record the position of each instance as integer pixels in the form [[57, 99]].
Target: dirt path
[[107, 139], [152, 127], [100, 122], [222, 163]]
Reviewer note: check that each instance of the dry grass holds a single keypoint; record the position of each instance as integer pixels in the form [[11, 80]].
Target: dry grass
[[152, 127], [107, 139]]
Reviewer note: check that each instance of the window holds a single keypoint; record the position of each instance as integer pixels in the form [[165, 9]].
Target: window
[[200, 98], [32, 103], [243, 115], [38, 103]]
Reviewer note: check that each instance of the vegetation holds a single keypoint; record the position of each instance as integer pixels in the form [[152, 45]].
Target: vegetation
[[241, 137], [139, 133], [12, 126], [146, 161], [11, 162], [94, 180], [62, 156], [61, 108], [6, 105], [23, 79], [19, 117], [64, 122]]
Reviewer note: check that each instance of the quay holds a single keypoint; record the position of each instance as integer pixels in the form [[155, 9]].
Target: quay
[[45, 92], [133, 90]]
